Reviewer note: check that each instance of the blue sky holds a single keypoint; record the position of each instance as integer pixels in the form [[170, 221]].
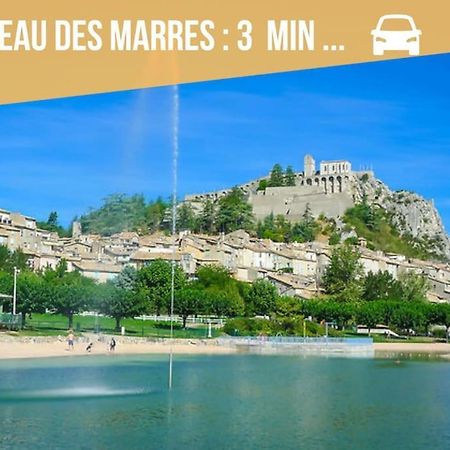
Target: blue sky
[[68, 154]]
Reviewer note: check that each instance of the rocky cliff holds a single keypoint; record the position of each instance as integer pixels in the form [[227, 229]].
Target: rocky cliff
[[410, 213]]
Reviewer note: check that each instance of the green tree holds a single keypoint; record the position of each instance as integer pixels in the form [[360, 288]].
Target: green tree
[[277, 228], [369, 215], [338, 312], [262, 185], [368, 314], [335, 239], [206, 218], [119, 302], [282, 229], [287, 306], [307, 229], [6, 288], [5, 256], [381, 286], [343, 276], [289, 177], [443, 317], [413, 287], [9, 260], [223, 294], [54, 276], [119, 212], [261, 298], [234, 212], [304, 232], [52, 224], [71, 295], [214, 276], [430, 315], [387, 309], [53, 219], [156, 280], [32, 295], [19, 259], [266, 228], [185, 217], [224, 302], [154, 214], [408, 317], [69, 292], [276, 176], [127, 279], [189, 301]]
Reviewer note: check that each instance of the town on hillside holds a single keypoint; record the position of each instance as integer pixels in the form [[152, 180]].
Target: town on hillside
[[294, 268]]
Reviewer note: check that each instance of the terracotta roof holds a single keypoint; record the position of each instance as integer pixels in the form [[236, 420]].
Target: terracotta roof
[[142, 255], [117, 252], [125, 235], [70, 244], [153, 239], [91, 266]]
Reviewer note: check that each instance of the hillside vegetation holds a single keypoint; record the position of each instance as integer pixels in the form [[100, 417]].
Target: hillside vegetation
[[374, 224], [120, 212]]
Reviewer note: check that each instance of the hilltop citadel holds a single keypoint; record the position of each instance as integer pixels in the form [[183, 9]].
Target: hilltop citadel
[[330, 190]]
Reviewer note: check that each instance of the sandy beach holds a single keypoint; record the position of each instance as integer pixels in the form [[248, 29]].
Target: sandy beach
[[50, 347], [43, 347], [410, 347]]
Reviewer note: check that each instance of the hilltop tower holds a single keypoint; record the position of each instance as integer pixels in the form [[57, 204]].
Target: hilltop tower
[[76, 229], [309, 166]]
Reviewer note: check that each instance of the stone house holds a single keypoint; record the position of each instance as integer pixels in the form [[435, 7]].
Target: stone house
[[97, 270]]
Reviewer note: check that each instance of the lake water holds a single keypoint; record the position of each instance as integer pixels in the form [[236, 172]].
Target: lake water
[[229, 402]]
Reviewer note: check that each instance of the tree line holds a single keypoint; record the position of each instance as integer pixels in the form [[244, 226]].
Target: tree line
[[295, 317], [278, 177], [121, 212], [229, 213], [350, 296]]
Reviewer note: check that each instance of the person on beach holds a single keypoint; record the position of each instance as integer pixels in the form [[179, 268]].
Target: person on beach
[[112, 345], [89, 347], [70, 339]]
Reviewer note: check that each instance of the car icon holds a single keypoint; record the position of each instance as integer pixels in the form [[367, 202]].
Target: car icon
[[396, 32]]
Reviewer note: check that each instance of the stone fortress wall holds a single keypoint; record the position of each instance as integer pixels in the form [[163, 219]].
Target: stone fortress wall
[[327, 191]]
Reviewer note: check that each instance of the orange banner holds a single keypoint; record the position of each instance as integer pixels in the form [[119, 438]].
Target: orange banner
[[54, 49]]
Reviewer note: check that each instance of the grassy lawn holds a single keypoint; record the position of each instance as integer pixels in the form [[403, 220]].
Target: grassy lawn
[[409, 340], [403, 339], [54, 324]]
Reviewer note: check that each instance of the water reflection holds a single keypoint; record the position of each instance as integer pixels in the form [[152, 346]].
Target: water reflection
[[244, 401]]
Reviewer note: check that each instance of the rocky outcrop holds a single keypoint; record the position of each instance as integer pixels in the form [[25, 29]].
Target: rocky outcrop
[[410, 213]]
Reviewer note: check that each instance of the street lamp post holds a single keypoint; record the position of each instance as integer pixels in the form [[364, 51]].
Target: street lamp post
[[16, 271], [309, 319]]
